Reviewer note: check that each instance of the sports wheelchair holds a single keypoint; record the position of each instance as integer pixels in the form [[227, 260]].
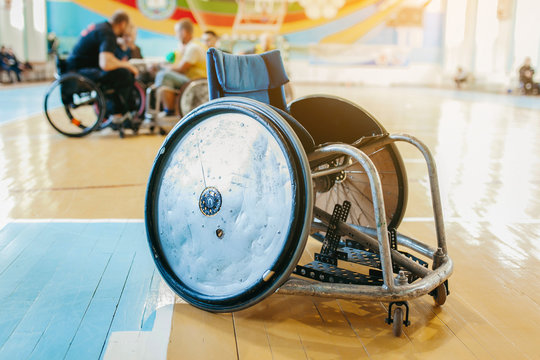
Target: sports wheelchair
[[242, 181], [190, 96], [75, 105]]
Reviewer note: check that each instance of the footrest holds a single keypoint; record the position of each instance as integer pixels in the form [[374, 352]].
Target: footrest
[[324, 272]]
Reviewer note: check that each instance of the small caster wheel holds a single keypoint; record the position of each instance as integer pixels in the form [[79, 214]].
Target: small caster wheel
[[121, 133], [151, 129], [397, 324], [440, 295], [162, 132]]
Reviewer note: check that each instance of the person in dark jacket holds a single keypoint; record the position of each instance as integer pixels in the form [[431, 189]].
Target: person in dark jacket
[[94, 57]]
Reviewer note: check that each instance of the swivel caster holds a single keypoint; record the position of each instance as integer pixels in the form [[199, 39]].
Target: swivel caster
[[440, 293], [162, 132], [396, 319]]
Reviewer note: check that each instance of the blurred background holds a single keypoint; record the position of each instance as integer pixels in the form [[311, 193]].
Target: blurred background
[[372, 42]]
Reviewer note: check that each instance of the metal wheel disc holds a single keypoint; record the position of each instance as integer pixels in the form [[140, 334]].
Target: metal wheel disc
[[226, 208], [194, 94]]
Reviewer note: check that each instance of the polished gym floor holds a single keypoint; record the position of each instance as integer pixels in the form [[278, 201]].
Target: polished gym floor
[[77, 280]]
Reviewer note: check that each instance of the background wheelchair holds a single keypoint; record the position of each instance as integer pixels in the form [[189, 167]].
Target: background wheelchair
[[243, 180], [75, 105], [191, 95]]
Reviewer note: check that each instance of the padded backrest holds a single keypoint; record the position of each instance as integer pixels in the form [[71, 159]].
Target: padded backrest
[[260, 77]]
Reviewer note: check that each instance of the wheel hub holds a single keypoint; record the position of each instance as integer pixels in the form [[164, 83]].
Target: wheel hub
[[210, 201]]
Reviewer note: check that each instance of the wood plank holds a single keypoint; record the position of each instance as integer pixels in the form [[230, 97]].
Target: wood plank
[[197, 334]]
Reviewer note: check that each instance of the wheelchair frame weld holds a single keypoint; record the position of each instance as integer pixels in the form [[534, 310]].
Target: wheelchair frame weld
[[429, 279]]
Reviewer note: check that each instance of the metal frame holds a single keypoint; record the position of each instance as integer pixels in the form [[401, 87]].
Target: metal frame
[[153, 114], [377, 239]]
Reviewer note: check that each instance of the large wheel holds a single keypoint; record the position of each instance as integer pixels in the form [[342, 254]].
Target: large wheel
[[74, 105], [139, 100], [192, 95], [228, 204], [136, 104], [330, 119]]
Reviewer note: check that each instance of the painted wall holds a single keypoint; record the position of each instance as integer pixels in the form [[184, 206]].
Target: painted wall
[[374, 32]]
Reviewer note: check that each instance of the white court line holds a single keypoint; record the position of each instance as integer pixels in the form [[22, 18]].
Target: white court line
[[34, 221]]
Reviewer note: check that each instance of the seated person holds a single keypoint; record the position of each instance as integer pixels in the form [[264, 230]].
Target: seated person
[[11, 64], [526, 74], [127, 49], [210, 39], [189, 62], [93, 57], [266, 43], [460, 77]]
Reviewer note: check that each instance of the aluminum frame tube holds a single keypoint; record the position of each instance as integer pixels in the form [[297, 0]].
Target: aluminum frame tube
[[297, 286], [434, 185], [378, 204]]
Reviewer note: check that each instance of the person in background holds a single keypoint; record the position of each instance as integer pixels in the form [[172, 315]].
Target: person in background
[[4, 67], [266, 43], [94, 57], [11, 64], [188, 63], [127, 49], [52, 44], [210, 39], [460, 77], [526, 75]]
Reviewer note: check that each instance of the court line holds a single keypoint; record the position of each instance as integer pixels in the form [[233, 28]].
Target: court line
[[77, 188]]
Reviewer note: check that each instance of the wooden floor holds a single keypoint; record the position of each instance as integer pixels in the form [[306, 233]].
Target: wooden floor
[[488, 152]]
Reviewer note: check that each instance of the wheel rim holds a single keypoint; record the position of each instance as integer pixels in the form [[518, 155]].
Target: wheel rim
[[74, 105], [193, 95], [223, 222], [139, 99]]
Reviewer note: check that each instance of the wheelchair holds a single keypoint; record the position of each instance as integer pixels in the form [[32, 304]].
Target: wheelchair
[[191, 95], [75, 105], [242, 181]]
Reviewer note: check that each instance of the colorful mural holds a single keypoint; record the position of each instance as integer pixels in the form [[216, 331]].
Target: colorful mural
[[333, 22]]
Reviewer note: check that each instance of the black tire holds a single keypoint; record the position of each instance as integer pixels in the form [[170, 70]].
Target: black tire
[[331, 119], [139, 100], [238, 231], [74, 105]]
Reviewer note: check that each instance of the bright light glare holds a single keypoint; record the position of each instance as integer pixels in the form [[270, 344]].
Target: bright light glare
[[455, 22], [16, 15], [487, 29], [39, 16]]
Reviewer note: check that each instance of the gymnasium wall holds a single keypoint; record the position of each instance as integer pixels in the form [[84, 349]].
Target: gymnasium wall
[[361, 32]]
